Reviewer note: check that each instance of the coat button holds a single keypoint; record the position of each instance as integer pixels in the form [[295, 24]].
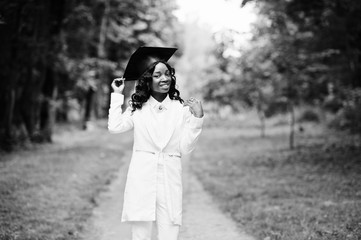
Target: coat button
[[160, 108]]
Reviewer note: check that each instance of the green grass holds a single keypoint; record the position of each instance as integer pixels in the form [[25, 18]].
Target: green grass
[[49, 192], [311, 192]]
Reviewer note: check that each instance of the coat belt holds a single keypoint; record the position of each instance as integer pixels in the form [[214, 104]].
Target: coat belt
[[170, 154]]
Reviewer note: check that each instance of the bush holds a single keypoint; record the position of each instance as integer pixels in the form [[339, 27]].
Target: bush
[[349, 116], [332, 104], [309, 115], [275, 107]]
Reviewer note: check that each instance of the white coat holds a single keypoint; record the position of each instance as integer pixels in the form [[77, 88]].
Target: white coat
[[180, 135]]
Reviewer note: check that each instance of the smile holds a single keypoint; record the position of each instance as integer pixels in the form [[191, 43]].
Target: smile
[[167, 84]]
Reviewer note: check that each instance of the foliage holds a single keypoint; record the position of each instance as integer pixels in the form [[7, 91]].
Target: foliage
[[302, 52], [55, 53], [249, 80], [316, 45], [309, 115], [349, 116]]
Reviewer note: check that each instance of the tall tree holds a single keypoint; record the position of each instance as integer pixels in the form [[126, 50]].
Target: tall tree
[[58, 53]]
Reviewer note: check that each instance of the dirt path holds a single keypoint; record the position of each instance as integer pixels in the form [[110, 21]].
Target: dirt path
[[202, 218], [105, 222]]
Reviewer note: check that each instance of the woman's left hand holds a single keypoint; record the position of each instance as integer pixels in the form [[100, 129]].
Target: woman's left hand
[[195, 106]]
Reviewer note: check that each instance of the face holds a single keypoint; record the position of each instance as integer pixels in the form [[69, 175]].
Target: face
[[161, 79]]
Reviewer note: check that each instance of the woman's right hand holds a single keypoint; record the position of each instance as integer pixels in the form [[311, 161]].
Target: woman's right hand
[[118, 85]]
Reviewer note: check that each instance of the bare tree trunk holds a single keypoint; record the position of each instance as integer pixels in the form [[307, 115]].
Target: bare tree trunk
[[103, 29], [101, 44], [52, 110], [9, 113], [261, 112], [88, 107], [48, 108], [262, 119], [291, 101], [292, 125]]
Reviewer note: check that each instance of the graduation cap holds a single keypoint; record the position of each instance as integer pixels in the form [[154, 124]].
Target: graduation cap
[[143, 57]]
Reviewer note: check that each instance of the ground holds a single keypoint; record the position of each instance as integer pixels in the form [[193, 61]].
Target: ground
[[243, 185], [310, 192], [202, 218]]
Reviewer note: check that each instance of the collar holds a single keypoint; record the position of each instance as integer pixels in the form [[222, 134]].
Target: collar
[[155, 104]]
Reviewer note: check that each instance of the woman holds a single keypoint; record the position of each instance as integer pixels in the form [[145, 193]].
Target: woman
[[165, 128]]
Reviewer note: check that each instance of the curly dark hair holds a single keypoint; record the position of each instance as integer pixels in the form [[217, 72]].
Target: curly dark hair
[[142, 89]]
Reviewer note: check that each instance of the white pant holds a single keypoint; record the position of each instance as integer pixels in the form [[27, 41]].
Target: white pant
[[165, 228]]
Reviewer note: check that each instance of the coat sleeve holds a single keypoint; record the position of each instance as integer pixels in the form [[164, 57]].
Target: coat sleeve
[[192, 130], [119, 122]]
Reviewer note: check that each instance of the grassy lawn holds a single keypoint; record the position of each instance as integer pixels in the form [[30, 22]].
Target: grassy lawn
[[311, 192], [49, 192]]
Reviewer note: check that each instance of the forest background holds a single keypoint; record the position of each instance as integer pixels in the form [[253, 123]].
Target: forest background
[[59, 58]]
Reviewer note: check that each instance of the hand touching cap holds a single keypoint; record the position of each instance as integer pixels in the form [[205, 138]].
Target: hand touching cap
[[118, 85]]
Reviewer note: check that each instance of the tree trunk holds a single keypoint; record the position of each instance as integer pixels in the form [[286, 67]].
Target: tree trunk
[[261, 111], [48, 110], [88, 107], [262, 119], [9, 113], [291, 101], [292, 124], [102, 31]]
